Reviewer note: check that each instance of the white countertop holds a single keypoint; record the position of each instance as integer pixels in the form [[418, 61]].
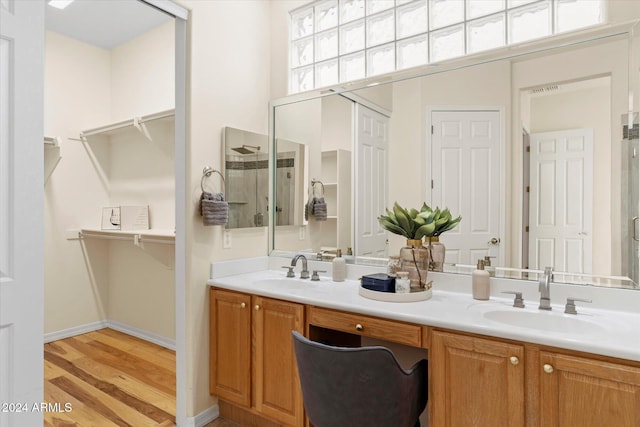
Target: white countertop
[[599, 331]]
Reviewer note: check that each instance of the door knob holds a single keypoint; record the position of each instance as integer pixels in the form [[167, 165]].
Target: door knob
[[242, 305], [514, 360], [494, 241], [359, 327], [547, 368], [257, 307]]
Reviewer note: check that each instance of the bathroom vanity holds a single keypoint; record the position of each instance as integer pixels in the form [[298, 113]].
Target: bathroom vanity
[[490, 364]]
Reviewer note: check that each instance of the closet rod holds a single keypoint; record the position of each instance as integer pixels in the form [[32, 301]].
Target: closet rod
[[136, 238]]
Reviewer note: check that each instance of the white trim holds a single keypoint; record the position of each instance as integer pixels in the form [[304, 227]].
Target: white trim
[[180, 264], [142, 334], [169, 7], [115, 325], [76, 330], [365, 102], [204, 417]]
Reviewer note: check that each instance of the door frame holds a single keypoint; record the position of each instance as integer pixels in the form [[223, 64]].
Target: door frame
[[181, 17], [426, 155]]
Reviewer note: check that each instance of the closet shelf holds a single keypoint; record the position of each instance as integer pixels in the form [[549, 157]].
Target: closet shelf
[[160, 236], [134, 123]]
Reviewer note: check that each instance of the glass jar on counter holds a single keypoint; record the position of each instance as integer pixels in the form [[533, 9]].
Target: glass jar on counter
[[403, 284], [393, 266]]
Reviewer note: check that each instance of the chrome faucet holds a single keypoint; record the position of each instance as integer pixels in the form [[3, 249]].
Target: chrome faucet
[[544, 287], [304, 274]]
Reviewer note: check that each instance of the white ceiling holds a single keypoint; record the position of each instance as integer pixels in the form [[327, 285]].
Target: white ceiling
[[104, 23]]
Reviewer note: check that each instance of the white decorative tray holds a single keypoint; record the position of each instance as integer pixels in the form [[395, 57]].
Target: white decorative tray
[[393, 297]]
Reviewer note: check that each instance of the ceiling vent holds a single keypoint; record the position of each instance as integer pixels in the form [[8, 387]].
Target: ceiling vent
[[544, 89]]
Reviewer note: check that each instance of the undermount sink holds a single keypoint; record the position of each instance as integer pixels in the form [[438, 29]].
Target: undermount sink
[[545, 321]]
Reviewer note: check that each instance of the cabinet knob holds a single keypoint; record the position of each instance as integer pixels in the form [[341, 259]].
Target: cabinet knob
[[547, 368], [359, 327], [242, 305], [257, 307], [514, 360]]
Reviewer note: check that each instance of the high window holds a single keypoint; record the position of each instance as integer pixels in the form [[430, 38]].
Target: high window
[[336, 41]]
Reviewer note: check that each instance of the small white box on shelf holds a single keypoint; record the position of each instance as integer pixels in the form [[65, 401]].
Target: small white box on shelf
[[134, 217], [125, 218]]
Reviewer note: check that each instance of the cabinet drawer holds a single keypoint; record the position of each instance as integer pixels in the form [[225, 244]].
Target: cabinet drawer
[[388, 330]]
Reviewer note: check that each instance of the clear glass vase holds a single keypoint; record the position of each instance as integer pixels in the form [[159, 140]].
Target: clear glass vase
[[414, 259], [436, 253]]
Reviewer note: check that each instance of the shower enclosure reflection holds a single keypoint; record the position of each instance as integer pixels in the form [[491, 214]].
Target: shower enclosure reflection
[[290, 176], [246, 178], [630, 187]]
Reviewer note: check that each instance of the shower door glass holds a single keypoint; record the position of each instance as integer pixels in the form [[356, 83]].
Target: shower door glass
[[630, 210]]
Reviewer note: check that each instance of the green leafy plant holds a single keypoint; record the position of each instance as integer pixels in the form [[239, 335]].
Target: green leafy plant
[[416, 224]]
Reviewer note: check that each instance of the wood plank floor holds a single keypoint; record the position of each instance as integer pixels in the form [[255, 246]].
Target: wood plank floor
[[111, 379]]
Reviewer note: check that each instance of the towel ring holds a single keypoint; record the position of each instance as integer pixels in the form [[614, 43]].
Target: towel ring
[[206, 173], [313, 185]]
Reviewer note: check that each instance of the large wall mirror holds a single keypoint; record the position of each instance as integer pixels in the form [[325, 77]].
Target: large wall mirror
[[533, 149]]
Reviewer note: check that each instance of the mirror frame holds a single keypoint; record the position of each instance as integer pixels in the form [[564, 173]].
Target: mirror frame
[[554, 44]]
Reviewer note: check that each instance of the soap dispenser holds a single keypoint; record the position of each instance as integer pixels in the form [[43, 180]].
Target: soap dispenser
[[488, 267], [339, 267], [480, 282]]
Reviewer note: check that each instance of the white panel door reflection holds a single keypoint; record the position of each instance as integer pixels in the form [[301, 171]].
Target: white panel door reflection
[[561, 200], [465, 171]]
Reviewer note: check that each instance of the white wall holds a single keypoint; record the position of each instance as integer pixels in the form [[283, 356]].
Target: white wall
[[143, 75], [229, 81], [93, 280], [76, 76], [141, 172]]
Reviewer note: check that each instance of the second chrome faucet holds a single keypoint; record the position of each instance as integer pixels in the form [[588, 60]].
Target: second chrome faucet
[[544, 287]]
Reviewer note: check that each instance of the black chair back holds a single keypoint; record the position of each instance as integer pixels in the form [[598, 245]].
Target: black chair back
[[364, 386]]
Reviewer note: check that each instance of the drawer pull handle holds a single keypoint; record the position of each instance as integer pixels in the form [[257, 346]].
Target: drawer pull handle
[[359, 327], [242, 305], [257, 307], [547, 368], [514, 360]]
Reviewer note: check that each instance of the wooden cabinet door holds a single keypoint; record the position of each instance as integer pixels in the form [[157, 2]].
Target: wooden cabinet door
[[475, 382], [579, 392], [230, 346], [277, 391]]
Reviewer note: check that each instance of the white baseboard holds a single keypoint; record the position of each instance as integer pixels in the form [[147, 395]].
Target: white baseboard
[[142, 334], [204, 417], [76, 330], [113, 324]]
